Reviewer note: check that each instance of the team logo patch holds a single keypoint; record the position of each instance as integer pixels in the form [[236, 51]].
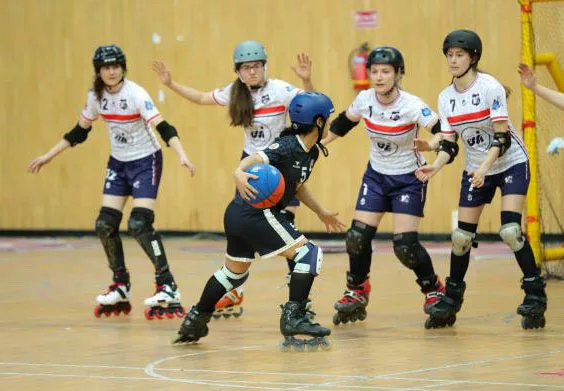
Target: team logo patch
[[496, 104], [290, 88], [149, 105], [395, 115], [384, 146], [476, 139], [265, 99], [426, 112], [475, 99]]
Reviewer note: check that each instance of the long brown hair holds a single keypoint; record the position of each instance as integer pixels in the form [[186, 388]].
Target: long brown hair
[[98, 87], [241, 107]]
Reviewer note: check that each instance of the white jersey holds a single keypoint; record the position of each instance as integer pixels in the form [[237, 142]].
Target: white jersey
[[271, 104], [392, 129], [127, 114], [471, 113]]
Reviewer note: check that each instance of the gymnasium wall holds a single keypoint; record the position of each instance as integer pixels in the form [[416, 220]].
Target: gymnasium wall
[[46, 48]]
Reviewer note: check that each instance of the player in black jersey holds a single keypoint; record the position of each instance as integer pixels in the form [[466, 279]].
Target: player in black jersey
[[268, 231]]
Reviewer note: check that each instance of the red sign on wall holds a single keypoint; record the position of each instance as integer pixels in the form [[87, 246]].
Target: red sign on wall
[[366, 19]]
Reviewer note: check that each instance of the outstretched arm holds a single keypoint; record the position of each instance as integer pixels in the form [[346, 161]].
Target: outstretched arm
[[529, 79], [82, 129], [332, 223], [193, 95]]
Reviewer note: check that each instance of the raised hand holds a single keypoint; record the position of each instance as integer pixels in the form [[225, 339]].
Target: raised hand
[[303, 67], [162, 72]]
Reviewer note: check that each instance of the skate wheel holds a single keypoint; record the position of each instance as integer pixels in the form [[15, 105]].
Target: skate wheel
[[285, 346], [180, 312], [116, 312], [226, 315], [326, 345], [542, 322], [312, 346], [169, 314], [148, 313], [336, 319], [159, 313], [97, 312], [107, 312], [354, 317], [238, 314], [127, 309], [216, 316], [299, 345], [362, 316]]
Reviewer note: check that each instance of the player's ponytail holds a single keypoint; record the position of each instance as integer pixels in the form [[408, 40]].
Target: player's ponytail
[[241, 107]]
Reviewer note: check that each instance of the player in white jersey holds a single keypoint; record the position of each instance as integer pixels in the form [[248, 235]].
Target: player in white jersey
[[473, 108], [556, 98], [393, 119], [134, 169], [257, 103]]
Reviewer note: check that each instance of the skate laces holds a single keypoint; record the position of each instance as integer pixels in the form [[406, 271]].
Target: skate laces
[[434, 296], [353, 295]]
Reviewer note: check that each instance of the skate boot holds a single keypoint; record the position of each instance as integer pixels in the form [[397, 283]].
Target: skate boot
[[194, 326], [165, 302], [230, 304], [534, 305], [352, 306], [433, 289], [114, 301], [443, 312], [294, 321], [310, 313]]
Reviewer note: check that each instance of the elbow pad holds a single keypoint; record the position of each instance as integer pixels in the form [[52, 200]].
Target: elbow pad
[[77, 135], [436, 128], [342, 125], [166, 131], [502, 140], [450, 148]]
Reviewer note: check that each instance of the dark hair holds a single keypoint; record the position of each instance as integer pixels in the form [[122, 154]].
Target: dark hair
[[241, 107]]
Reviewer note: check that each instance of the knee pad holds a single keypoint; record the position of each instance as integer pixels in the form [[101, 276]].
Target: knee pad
[[108, 221], [462, 241], [140, 222], [408, 249], [358, 239], [309, 259], [230, 280], [512, 235]]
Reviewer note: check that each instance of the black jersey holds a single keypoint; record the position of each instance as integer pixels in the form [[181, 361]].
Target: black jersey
[[289, 155]]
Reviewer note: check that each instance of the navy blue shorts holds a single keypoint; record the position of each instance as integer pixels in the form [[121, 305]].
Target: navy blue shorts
[[514, 180], [391, 193], [138, 178], [293, 202], [249, 230]]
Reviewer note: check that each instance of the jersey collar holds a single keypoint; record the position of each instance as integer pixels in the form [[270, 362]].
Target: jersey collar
[[302, 143]]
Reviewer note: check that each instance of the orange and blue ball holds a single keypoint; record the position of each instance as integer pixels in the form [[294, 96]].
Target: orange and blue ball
[[270, 185]]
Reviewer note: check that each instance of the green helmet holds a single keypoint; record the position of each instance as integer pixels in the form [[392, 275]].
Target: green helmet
[[249, 51]]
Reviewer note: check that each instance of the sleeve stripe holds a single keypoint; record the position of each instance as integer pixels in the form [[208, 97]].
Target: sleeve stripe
[[86, 118], [153, 117]]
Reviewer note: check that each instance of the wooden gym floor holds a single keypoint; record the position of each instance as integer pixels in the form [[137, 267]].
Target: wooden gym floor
[[50, 340]]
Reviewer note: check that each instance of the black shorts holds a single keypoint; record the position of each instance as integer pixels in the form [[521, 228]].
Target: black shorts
[[514, 180], [250, 230]]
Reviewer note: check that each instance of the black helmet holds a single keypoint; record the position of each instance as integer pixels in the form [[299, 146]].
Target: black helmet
[[108, 55], [386, 55], [464, 39]]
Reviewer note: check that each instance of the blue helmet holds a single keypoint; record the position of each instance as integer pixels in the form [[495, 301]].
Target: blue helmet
[[249, 51], [307, 106]]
